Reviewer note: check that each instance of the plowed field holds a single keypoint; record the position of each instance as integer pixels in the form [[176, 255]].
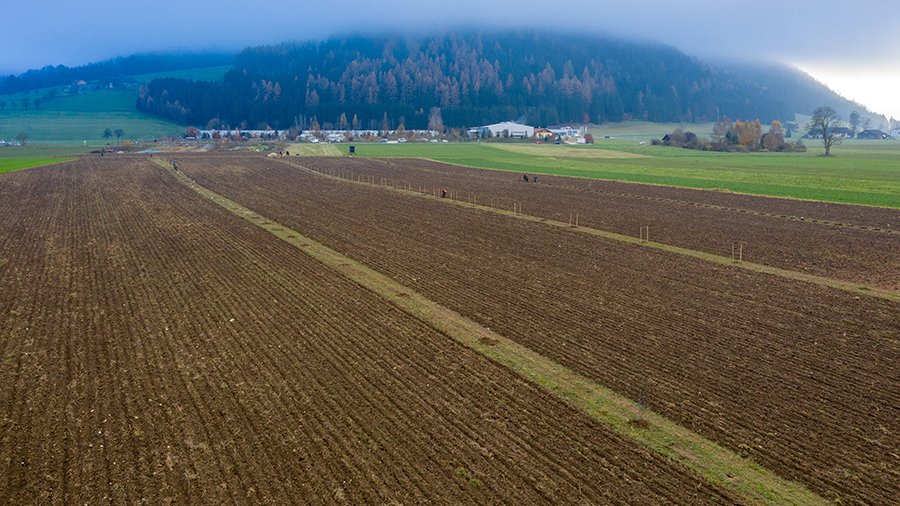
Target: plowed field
[[852, 243], [801, 377], [156, 349]]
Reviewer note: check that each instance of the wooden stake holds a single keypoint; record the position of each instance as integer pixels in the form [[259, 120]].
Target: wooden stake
[[576, 220], [741, 252]]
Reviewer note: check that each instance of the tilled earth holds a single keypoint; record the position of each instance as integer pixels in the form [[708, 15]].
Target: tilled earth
[[801, 377], [156, 349]]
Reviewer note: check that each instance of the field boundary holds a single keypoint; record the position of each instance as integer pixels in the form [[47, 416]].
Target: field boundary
[[848, 286], [716, 464], [691, 203]]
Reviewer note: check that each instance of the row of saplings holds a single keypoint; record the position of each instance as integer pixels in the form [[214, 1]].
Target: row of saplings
[[737, 136]]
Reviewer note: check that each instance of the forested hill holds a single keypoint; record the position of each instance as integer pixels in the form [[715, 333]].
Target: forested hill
[[474, 78], [57, 75]]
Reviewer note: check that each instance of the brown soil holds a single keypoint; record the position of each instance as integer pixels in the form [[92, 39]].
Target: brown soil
[[155, 348], [639, 423], [801, 377], [851, 243]]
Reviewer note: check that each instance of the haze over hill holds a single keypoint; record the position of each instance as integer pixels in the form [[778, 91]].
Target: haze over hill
[[479, 77]]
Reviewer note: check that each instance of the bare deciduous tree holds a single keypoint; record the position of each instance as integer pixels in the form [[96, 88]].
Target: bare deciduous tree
[[824, 121]]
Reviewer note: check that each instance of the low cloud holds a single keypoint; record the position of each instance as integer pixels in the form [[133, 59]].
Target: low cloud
[[824, 33]]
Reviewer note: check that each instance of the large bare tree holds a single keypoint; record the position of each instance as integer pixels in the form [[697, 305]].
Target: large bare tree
[[825, 120]]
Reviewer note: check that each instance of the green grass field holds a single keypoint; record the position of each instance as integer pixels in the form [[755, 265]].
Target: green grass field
[[863, 172], [81, 119], [11, 164]]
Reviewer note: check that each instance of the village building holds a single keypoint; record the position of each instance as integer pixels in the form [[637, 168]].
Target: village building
[[543, 134], [838, 132], [564, 130], [873, 135]]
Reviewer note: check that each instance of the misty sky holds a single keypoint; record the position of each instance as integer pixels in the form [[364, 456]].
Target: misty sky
[[852, 46]]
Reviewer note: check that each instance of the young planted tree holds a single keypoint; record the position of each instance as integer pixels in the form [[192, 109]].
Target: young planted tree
[[824, 120], [119, 133]]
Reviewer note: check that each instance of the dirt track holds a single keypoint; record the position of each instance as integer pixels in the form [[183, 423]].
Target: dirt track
[[853, 243], [800, 377], [157, 349]]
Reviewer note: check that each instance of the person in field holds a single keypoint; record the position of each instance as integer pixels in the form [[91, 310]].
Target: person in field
[[174, 165], [525, 177], [443, 193]]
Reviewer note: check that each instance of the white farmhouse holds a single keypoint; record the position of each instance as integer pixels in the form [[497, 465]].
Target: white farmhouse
[[564, 130]]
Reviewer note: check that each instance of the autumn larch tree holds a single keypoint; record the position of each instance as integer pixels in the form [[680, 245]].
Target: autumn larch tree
[[774, 138], [435, 120]]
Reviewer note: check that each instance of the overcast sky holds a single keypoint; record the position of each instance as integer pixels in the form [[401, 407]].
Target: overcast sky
[[852, 46]]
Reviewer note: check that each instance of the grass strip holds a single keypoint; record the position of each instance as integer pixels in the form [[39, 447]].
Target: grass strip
[[716, 464]]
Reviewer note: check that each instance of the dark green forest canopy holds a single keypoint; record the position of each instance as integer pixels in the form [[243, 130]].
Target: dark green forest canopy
[[474, 78]]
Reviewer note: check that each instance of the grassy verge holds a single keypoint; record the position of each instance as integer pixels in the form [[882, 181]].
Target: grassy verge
[[720, 466]]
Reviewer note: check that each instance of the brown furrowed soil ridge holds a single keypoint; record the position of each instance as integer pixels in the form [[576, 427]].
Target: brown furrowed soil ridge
[[858, 288], [718, 465]]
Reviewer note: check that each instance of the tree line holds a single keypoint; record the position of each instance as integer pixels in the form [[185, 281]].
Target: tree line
[[735, 136], [473, 78]]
